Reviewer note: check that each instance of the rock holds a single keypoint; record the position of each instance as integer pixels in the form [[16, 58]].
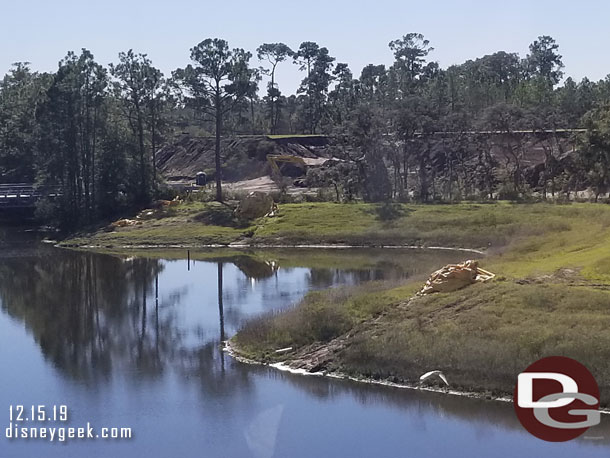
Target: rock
[[125, 222], [455, 276], [255, 205]]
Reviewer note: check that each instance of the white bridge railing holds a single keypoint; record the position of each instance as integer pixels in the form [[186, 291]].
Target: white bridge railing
[[24, 194]]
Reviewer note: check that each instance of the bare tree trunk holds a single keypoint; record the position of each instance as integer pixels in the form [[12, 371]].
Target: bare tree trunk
[[217, 146], [272, 100], [153, 143], [253, 127], [143, 184], [423, 176], [94, 141], [405, 170], [450, 182]]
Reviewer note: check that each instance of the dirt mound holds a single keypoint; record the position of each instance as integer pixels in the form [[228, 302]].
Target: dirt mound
[[243, 157]]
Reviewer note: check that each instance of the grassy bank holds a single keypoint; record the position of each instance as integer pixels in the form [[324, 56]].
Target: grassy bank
[[551, 297], [463, 225]]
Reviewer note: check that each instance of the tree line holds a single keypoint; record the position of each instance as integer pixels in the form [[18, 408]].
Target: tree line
[[94, 129]]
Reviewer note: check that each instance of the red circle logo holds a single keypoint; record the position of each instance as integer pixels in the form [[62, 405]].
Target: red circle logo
[[557, 399]]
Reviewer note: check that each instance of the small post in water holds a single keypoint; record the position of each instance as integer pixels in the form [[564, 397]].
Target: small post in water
[[157, 289]]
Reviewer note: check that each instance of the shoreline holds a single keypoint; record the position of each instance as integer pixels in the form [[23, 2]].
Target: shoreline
[[545, 272], [283, 367], [263, 246], [230, 349], [323, 225]]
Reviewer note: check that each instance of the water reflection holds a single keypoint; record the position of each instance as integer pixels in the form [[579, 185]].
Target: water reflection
[[85, 310], [94, 314], [137, 340]]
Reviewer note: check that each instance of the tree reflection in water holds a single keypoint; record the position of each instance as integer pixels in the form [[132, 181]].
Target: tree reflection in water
[[95, 316], [93, 313], [98, 316], [86, 311]]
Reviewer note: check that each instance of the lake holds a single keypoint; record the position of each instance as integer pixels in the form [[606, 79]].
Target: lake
[[131, 341]]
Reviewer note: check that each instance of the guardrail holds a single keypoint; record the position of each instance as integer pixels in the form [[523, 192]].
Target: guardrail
[[25, 195]]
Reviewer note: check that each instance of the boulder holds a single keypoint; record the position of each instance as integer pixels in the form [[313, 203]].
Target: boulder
[[125, 222], [255, 205], [455, 276]]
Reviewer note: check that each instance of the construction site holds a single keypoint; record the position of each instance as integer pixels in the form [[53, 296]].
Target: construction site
[[287, 163]]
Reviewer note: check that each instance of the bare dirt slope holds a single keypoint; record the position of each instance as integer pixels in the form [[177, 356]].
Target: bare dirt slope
[[243, 157]]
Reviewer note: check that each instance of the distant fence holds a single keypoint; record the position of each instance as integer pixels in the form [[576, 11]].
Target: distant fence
[[25, 195]]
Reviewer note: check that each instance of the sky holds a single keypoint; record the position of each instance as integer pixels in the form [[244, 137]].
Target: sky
[[355, 32]]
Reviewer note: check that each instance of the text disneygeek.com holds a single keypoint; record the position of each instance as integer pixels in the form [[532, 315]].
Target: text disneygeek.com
[[39, 422]]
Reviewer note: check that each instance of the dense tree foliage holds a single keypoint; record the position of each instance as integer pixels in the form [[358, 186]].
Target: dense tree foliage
[[273, 53], [219, 79], [410, 130]]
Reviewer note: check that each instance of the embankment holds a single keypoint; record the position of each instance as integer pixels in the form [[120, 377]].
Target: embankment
[[551, 297], [477, 226]]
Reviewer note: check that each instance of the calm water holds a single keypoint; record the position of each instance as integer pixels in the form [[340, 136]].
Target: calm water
[[136, 342]]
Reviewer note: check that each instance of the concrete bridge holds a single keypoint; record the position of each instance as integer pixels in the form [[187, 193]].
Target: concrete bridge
[[25, 195]]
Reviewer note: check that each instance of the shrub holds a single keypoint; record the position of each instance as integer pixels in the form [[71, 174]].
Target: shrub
[[217, 214], [389, 211]]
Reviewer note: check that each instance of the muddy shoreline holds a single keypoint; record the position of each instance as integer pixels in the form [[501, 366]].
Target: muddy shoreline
[[232, 351], [284, 367], [259, 246]]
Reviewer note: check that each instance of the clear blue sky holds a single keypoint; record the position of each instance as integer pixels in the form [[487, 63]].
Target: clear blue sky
[[356, 32]]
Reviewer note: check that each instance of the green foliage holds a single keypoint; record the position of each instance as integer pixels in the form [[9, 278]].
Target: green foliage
[[408, 131], [343, 178], [389, 211], [142, 92], [216, 214], [595, 157], [216, 82], [320, 317], [274, 53], [544, 60], [71, 121], [21, 93], [318, 63]]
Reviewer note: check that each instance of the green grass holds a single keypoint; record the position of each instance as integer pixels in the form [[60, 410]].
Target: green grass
[[551, 297], [578, 238], [461, 225], [180, 227], [162, 235], [320, 317], [483, 336]]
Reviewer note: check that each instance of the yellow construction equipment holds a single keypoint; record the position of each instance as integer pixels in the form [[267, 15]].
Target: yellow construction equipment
[[274, 159]]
